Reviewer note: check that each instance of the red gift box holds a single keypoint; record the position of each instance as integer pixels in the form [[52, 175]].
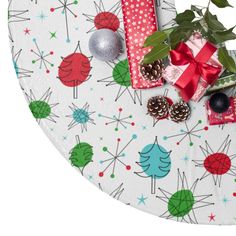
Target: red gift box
[[139, 22], [194, 67], [227, 117]]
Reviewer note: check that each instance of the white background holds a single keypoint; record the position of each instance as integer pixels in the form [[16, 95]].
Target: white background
[[41, 194]]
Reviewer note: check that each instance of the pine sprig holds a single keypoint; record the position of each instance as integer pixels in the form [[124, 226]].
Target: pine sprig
[[189, 21]]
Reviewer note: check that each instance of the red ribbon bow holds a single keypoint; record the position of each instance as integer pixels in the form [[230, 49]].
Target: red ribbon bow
[[198, 67]]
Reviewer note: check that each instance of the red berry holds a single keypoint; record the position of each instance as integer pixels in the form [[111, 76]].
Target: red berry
[[128, 167]]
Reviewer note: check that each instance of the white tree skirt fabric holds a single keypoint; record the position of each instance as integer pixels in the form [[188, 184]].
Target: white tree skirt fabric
[[101, 125]]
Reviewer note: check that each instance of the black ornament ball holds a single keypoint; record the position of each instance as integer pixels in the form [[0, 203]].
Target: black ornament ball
[[219, 102]]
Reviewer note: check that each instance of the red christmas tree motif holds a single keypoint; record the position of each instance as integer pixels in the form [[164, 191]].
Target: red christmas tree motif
[[217, 164], [74, 70]]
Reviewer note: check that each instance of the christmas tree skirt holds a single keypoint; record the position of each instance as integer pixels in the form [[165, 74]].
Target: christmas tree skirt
[[180, 171]]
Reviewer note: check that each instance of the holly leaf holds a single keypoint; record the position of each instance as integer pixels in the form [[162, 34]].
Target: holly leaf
[[186, 16], [226, 60], [210, 37], [221, 3], [223, 36], [156, 38], [181, 33], [197, 10], [213, 23], [159, 52]]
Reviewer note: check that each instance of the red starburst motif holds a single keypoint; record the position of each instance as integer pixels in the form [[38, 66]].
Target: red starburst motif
[[106, 18], [217, 164]]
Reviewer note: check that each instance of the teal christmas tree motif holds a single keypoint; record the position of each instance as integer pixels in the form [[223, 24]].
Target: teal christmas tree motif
[[81, 154], [182, 204], [41, 108], [155, 163], [121, 78]]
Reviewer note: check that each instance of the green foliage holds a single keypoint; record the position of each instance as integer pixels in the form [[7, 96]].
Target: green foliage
[[160, 48], [196, 9], [221, 3], [226, 60], [182, 33], [158, 52], [212, 22], [195, 19], [187, 16]]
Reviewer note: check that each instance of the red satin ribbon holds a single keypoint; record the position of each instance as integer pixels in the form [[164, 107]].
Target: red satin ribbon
[[198, 67]]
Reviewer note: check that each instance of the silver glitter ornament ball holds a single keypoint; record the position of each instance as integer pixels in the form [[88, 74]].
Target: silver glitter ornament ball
[[105, 45]]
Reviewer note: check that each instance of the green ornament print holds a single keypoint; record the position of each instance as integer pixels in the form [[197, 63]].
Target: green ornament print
[[181, 203], [40, 109]]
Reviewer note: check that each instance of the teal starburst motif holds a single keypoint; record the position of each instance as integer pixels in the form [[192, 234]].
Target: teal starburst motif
[[42, 16], [225, 200], [185, 159], [142, 200], [81, 116]]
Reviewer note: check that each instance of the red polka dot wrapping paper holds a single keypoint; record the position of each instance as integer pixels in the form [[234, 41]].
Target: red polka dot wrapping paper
[[91, 113], [140, 22]]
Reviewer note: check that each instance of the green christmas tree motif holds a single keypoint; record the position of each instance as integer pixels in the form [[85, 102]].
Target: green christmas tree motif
[[81, 155], [41, 108], [155, 163], [183, 203]]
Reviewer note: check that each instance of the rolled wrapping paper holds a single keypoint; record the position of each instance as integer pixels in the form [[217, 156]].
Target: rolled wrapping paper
[[139, 22]]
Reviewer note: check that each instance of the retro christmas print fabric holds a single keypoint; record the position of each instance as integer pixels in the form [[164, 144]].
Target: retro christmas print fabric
[[100, 124]]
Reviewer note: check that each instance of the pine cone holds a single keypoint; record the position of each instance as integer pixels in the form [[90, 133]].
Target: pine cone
[[158, 107], [152, 72], [180, 112]]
